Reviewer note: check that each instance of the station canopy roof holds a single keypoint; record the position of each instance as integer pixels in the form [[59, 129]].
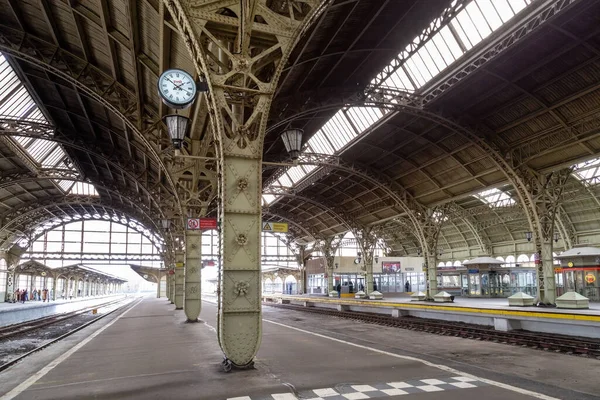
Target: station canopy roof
[[467, 100], [76, 271]]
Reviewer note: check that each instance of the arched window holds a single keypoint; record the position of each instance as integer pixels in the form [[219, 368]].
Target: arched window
[[268, 286], [499, 258], [523, 259], [290, 285], [448, 263], [441, 264], [510, 261], [278, 286], [457, 263]]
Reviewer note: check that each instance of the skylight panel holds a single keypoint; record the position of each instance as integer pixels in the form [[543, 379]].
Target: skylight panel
[[363, 117], [54, 158], [83, 188], [588, 172], [448, 38], [495, 198], [296, 173], [268, 199], [432, 52], [517, 5], [490, 13], [39, 148], [503, 9], [65, 185], [285, 181], [320, 144], [478, 20]]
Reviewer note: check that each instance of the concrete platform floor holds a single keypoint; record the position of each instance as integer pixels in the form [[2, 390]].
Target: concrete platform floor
[[467, 302], [148, 352]]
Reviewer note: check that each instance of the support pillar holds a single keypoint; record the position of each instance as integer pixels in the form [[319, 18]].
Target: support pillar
[[179, 280], [193, 267], [54, 283], [158, 279], [169, 287], [367, 240], [10, 285], [241, 90], [431, 273]]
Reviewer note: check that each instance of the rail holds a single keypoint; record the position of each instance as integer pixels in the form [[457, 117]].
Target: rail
[[559, 343]]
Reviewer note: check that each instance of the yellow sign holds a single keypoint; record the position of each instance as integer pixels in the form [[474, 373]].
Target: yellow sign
[[179, 265], [275, 227], [589, 278], [570, 264]]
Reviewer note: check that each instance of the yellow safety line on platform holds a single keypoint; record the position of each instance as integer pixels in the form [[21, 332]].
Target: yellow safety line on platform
[[548, 315]]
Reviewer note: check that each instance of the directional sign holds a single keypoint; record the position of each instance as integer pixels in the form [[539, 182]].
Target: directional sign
[[193, 224], [275, 227]]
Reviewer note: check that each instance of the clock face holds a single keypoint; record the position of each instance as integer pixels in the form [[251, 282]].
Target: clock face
[[177, 88]]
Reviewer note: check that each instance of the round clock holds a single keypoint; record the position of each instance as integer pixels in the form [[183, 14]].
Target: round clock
[[177, 88], [570, 264]]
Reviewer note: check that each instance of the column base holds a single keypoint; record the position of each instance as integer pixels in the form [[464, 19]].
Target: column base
[[228, 365]]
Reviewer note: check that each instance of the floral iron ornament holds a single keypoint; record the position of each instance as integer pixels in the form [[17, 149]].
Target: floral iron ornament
[[242, 288]]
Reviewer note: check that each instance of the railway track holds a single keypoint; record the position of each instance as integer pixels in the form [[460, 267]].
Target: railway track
[[580, 346], [29, 328], [15, 329]]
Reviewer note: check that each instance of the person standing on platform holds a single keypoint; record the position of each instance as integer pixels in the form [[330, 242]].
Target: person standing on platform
[[407, 286], [339, 289]]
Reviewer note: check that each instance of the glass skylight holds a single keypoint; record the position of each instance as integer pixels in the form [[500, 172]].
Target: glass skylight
[[17, 104], [588, 172], [83, 188], [495, 198], [473, 24]]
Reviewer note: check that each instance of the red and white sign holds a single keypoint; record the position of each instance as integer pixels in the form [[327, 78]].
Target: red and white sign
[[208, 223], [193, 224]]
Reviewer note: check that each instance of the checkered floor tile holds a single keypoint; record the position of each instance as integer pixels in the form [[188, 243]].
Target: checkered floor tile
[[373, 391]]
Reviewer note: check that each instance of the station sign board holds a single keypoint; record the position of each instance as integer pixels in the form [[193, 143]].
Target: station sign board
[[280, 227], [208, 223], [201, 224]]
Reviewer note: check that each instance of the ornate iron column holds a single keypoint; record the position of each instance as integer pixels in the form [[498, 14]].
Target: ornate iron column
[[329, 247], [432, 224], [179, 279], [193, 266], [547, 196], [367, 240], [240, 55]]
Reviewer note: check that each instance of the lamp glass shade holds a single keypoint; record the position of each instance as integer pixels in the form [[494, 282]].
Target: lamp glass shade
[[177, 126], [165, 223], [292, 139]]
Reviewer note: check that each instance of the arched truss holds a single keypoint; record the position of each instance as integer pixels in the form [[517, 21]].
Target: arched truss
[[318, 202], [24, 222], [47, 132], [64, 213], [124, 195], [92, 81], [310, 104]]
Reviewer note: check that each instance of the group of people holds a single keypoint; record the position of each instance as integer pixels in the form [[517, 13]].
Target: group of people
[[21, 296]]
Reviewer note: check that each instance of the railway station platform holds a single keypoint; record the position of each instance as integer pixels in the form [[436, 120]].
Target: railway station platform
[[149, 352], [490, 312], [15, 313]]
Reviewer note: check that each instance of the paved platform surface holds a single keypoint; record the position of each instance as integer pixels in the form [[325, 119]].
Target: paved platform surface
[[149, 352], [14, 313], [459, 302]]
